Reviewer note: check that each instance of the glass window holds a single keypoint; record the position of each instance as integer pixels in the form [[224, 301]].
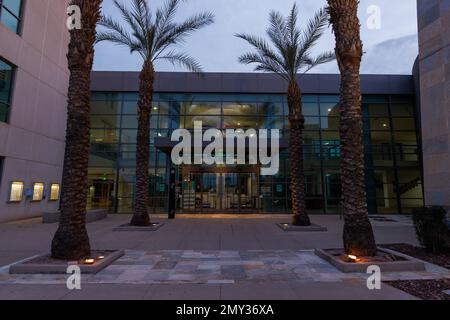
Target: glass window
[[201, 108], [404, 123], [402, 110], [10, 14], [105, 107], [6, 79], [105, 121], [329, 110], [16, 191], [378, 110], [38, 191], [310, 109], [268, 109], [54, 192]]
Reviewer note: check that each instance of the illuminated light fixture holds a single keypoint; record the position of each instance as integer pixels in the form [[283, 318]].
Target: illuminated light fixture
[[89, 261], [384, 125], [239, 123], [329, 110], [159, 134], [155, 108], [352, 258], [101, 257]]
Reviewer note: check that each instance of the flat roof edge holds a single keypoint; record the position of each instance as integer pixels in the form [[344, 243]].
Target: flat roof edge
[[252, 83]]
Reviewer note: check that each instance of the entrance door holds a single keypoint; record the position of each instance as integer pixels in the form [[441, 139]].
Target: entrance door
[[220, 192]]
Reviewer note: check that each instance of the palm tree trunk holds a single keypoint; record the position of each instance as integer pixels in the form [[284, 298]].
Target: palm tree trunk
[[358, 234], [297, 124], [71, 241], [147, 76]]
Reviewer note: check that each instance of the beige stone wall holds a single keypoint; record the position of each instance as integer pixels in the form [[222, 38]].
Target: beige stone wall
[[434, 64], [33, 140]]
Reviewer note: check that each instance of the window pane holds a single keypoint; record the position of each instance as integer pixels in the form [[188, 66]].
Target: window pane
[[379, 124], [329, 123], [203, 108], [241, 122], [105, 122], [378, 110], [402, 110], [13, 6], [9, 21], [404, 123], [310, 109], [105, 107], [3, 112], [329, 110], [271, 109], [6, 73]]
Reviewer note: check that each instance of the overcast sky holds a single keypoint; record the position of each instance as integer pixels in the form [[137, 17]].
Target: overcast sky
[[390, 49]]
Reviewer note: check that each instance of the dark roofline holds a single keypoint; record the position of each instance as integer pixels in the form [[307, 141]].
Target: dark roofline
[[185, 82]]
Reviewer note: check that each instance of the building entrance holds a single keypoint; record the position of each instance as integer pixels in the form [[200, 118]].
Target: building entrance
[[220, 192]]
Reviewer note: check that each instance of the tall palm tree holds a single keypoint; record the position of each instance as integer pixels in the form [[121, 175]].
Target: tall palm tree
[[71, 241], [151, 36], [358, 234], [289, 55]]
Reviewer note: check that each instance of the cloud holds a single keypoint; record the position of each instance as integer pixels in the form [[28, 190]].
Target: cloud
[[391, 56], [218, 50]]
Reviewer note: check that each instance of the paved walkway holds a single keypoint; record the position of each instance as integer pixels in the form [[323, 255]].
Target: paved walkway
[[205, 258]]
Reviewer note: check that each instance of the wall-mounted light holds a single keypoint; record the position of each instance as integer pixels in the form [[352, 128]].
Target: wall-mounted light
[[16, 191], [38, 191]]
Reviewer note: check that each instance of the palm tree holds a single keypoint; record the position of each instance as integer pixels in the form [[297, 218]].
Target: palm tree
[[358, 234], [71, 241], [151, 37], [291, 55]]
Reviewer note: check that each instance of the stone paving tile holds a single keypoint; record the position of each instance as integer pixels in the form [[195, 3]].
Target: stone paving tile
[[218, 267]]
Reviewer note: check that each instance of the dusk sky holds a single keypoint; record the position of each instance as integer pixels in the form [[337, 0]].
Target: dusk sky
[[390, 49]]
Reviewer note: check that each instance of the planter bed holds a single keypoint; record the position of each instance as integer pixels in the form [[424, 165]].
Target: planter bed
[[387, 260], [45, 264], [442, 259]]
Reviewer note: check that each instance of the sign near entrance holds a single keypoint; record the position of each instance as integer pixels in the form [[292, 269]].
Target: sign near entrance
[[190, 150]]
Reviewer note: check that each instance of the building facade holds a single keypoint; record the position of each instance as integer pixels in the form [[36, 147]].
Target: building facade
[[33, 90], [232, 101], [434, 69]]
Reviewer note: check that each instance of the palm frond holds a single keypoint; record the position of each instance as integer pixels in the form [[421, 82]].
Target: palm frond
[[289, 48], [313, 32], [322, 58], [182, 59], [263, 64], [176, 33], [152, 35]]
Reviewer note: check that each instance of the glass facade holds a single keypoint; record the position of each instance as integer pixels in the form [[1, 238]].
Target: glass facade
[[10, 14], [393, 174], [6, 80]]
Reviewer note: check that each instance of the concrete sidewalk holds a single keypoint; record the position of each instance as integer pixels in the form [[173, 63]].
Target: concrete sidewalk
[[204, 257]]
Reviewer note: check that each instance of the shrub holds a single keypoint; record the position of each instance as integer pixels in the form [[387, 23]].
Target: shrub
[[431, 228]]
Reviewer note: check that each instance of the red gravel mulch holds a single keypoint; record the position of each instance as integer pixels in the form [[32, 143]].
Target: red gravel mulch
[[424, 289], [442, 259]]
